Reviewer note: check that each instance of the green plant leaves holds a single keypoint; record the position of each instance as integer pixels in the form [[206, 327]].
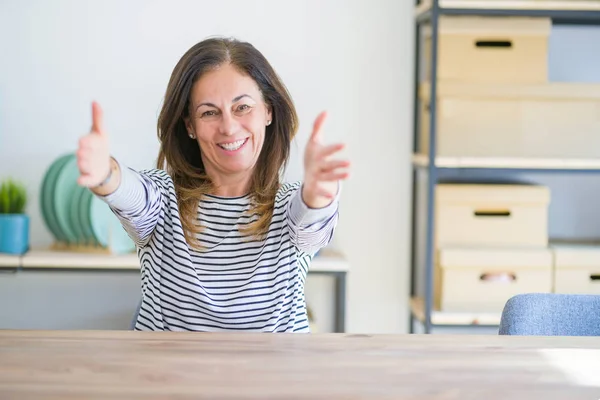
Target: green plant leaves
[[13, 197]]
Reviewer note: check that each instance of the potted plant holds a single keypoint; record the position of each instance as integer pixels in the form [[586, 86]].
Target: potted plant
[[14, 223]]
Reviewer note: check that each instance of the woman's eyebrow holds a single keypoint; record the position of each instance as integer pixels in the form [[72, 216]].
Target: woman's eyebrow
[[237, 98], [241, 96]]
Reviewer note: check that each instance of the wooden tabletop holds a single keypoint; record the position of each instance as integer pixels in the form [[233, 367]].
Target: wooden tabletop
[[140, 365]]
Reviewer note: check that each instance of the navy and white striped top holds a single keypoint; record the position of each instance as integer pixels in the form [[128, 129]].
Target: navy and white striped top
[[235, 283]]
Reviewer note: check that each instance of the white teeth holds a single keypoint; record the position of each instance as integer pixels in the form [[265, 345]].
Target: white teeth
[[233, 145]]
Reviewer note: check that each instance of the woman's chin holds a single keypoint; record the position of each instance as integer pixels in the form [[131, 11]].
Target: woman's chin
[[236, 168]]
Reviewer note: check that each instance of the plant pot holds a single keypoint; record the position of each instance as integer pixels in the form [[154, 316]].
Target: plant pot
[[14, 233]]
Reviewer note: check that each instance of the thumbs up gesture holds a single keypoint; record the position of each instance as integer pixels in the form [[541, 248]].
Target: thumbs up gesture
[[322, 172], [93, 157]]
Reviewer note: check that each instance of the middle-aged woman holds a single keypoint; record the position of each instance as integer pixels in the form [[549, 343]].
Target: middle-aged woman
[[223, 244]]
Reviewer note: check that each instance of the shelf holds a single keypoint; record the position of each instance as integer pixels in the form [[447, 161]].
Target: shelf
[[430, 171], [327, 261], [445, 318], [53, 259], [9, 261], [515, 5], [549, 91], [515, 164], [574, 10]]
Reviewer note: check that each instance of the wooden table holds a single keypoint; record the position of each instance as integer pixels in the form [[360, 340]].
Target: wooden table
[[140, 365]]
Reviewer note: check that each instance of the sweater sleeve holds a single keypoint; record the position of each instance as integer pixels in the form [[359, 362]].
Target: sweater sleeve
[[137, 203], [311, 228]]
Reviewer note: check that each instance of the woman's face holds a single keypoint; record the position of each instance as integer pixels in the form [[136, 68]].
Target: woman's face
[[228, 118]]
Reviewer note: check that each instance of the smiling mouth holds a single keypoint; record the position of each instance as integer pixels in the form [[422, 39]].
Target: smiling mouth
[[233, 146]]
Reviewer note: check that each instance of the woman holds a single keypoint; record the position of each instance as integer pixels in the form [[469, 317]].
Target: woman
[[223, 245]]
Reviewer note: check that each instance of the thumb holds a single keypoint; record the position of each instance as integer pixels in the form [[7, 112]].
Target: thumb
[[316, 133], [97, 119]]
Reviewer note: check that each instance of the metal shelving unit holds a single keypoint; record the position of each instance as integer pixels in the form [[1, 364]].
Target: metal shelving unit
[[427, 13]]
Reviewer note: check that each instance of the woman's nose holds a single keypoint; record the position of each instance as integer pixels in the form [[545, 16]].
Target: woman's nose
[[229, 125]]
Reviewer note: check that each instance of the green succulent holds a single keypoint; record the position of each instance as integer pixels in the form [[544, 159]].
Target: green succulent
[[13, 197]]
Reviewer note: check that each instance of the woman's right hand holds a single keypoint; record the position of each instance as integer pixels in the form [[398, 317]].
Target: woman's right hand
[[93, 156]]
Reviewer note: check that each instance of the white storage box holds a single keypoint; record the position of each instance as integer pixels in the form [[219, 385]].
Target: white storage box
[[482, 280], [576, 269], [557, 120], [490, 49], [492, 215]]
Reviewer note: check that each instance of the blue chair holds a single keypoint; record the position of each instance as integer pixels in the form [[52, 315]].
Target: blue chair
[[546, 314]]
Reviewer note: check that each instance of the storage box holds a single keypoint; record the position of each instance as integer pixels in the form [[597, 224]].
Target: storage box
[[490, 49], [492, 215], [577, 269], [483, 279], [554, 120]]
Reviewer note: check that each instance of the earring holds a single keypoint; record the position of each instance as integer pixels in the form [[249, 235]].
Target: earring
[[192, 136], [268, 122]]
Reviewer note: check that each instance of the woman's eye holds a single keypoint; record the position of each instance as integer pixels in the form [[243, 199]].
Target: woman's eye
[[209, 113], [243, 107]]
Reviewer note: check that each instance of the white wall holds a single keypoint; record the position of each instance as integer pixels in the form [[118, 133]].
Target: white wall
[[351, 57]]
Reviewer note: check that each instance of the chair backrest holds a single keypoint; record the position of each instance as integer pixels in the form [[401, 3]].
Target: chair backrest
[[549, 314]]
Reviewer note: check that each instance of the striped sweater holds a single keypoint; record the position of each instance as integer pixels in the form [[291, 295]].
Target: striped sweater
[[236, 282]]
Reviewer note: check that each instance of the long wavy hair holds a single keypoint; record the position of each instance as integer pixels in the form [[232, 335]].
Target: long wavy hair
[[181, 158]]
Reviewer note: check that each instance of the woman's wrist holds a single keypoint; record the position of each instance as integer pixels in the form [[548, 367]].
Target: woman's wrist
[[111, 182], [108, 176]]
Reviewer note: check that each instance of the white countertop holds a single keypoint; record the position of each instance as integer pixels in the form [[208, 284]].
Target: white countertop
[[9, 260], [326, 261]]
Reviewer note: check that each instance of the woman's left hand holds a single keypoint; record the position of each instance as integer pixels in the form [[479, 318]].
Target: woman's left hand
[[322, 173]]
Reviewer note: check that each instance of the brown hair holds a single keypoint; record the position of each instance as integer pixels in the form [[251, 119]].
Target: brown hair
[[183, 161]]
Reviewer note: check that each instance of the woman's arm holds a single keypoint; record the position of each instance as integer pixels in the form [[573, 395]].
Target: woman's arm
[[313, 209], [135, 199], [311, 228]]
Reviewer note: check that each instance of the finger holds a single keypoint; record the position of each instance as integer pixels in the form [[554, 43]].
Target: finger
[[329, 150], [82, 154], [83, 166], [316, 133], [97, 118], [333, 176], [333, 164], [86, 143]]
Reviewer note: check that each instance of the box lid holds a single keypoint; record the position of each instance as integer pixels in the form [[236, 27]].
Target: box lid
[[501, 194], [494, 258], [492, 27], [576, 255]]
